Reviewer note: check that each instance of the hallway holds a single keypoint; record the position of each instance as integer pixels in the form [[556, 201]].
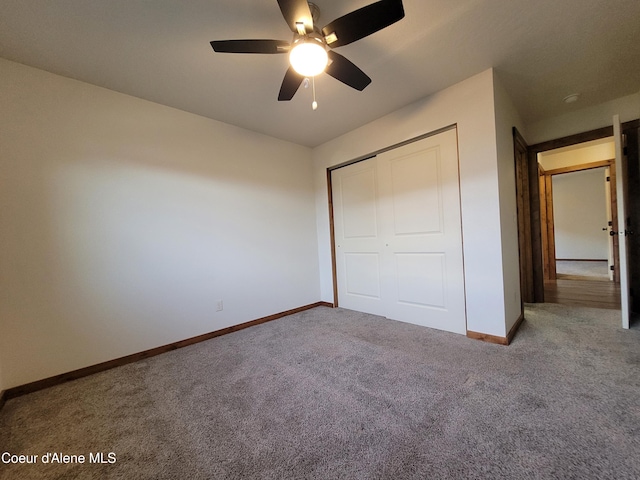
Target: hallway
[[585, 293]]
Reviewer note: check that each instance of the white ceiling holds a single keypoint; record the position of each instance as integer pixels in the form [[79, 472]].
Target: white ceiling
[[159, 50]]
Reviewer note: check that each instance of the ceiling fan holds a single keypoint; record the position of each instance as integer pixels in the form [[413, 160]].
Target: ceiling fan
[[310, 51]]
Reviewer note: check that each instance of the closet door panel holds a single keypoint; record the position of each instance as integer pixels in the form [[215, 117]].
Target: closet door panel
[[420, 227], [420, 279], [398, 234], [414, 184], [362, 274], [357, 242]]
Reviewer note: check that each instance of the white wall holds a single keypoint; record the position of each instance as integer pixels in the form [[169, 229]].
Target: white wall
[[470, 105], [579, 214], [122, 222], [506, 118], [583, 120]]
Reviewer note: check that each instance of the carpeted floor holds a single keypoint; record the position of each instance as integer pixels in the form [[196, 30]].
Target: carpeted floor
[[330, 394], [589, 270]]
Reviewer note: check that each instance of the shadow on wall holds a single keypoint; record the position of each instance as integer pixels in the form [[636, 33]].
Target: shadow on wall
[[125, 221]]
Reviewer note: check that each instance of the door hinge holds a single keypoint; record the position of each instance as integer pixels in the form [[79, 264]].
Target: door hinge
[[612, 268], [608, 179]]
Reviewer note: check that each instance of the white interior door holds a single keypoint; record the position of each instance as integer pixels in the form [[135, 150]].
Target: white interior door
[[622, 200], [398, 234], [357, 237], [608, 228], [423, 234]]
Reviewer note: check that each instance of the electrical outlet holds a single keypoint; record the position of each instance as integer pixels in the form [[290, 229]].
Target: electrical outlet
[[219, 306]]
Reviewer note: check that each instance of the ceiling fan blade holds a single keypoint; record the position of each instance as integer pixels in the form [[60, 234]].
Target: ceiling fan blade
[[344, 70], [290, 84], [362, 22], [250, 46], [297, 12]]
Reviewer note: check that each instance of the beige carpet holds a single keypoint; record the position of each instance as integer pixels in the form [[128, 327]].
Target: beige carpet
[[330, 394]]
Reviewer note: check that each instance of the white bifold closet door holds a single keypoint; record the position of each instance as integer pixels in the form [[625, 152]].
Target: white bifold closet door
[[398, 234]]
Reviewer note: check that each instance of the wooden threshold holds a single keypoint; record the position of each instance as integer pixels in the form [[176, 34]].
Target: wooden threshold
[[585, 278], [100, 367]]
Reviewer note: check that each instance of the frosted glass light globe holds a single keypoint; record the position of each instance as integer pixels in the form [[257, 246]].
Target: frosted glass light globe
[[308, 58]]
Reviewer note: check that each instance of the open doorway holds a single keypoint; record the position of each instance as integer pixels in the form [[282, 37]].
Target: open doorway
[[577, 191], [582, 222], [577, 201], [530, 211]]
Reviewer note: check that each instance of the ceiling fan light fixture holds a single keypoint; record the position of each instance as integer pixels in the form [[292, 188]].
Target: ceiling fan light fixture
[[331, 38], [311, 51], [308, 57]]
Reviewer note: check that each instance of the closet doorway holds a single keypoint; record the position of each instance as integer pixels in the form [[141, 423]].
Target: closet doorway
[[398, 235]]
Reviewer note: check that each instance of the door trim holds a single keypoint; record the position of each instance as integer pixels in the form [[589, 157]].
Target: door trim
[[391, 147], [523, 196], [332, 235], [547, 220], [534, 191]]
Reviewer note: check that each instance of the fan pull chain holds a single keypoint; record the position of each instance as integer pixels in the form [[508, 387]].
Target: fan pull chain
[[314, 104]]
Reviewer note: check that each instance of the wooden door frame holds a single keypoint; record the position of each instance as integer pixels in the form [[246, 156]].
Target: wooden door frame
[[536, 274], [546, 209], [547, 224], [523, 204]]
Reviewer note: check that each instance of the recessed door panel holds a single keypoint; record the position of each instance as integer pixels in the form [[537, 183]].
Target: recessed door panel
[[362, 274], [423, 239], [420, 279], [415, 183], [359, 204]]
